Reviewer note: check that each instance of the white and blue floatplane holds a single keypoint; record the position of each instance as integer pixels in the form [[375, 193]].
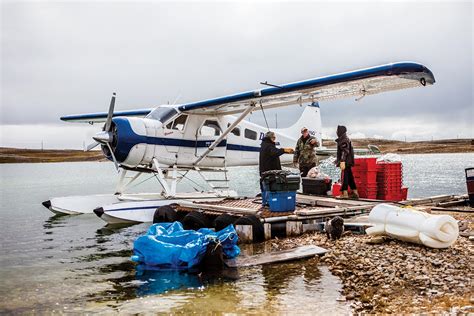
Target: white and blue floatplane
[[206, 137]]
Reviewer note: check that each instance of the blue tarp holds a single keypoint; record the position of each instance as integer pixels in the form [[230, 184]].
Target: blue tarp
[[169, 246]]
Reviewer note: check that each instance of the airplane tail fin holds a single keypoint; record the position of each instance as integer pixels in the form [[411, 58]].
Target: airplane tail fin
[[310, 118]]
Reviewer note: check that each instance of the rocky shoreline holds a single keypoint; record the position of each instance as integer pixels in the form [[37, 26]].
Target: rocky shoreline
[[381, 275]]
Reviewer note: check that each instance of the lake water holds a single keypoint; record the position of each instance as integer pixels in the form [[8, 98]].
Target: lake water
[[76, 263]]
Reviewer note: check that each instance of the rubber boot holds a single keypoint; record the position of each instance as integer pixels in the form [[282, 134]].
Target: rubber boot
[[344, 195], [354, 195]]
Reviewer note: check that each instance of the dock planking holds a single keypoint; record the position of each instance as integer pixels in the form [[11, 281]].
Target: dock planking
[[297, 253]]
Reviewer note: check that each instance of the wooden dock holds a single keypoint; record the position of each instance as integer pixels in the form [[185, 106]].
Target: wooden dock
[[310, 214]]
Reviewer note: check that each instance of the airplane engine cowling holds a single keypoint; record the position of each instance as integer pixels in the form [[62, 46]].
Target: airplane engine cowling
[[134, 143]]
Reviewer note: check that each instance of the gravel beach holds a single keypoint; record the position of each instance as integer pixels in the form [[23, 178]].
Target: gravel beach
[[382, 275]]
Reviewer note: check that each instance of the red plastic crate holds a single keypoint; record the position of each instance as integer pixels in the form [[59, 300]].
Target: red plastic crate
[[393, 197], [367, 194], [389, 164], [367, 191], [367, 179], [367, 186], [369, 164], [389, 184]]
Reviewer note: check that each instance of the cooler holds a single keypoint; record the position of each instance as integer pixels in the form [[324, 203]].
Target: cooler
[[316, 186], [282, 201], [279, 190], [279, 180]]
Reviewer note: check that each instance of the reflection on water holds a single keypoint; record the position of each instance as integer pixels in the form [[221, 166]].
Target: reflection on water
[[158, 282], [76, 264]]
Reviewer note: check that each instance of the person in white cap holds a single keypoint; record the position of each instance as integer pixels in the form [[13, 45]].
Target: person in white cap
[[305, 156]]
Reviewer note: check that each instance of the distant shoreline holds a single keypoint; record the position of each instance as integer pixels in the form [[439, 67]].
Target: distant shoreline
[[444, 146], [18, 155]]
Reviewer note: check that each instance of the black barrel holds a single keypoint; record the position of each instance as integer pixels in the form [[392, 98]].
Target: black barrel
[[470, 185]]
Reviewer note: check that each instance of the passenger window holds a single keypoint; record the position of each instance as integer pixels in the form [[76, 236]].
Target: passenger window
[[210, 128], [236, 131], [250, 134]]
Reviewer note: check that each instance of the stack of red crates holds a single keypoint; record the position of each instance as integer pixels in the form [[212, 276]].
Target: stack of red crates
[[390, 181], [379, 180], [365, 176]]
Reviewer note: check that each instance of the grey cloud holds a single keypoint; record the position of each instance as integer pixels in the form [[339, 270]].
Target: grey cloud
[[61, 58]]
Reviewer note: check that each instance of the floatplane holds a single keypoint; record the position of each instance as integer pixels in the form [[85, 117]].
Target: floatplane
[[206, 137]]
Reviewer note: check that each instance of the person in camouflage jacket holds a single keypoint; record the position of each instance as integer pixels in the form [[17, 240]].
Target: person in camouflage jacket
[[305, 156]]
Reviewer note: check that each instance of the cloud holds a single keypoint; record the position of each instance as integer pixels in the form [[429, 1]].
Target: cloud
[[48, 136], [67, 57]]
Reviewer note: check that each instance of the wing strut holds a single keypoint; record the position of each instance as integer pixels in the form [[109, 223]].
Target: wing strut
[[225, 133]]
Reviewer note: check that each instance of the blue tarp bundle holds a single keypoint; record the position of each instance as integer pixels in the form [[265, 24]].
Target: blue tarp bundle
[[169, 246]]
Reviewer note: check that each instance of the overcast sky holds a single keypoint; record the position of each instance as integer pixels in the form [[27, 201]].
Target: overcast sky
[[68, 57]]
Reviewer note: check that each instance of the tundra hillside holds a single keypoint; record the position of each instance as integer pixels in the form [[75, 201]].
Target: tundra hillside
[[17, 155]]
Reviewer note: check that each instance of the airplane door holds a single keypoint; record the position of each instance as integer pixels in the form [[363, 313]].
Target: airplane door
[[174, 132], [209, 131]]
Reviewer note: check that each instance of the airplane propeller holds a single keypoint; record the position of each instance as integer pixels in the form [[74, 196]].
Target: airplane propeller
[[105, 137]]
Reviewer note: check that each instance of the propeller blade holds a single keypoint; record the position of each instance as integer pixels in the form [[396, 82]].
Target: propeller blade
[[103, 137], [91, 146], [108, 123], [113, 157]]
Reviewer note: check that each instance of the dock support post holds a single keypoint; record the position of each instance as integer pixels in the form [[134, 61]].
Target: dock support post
[[245, 233], [311, 226], [294, 228], [267, 228]]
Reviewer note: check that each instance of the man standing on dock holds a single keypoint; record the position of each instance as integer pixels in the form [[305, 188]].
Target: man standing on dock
[[269, 158], [305, 156], [345, 161]]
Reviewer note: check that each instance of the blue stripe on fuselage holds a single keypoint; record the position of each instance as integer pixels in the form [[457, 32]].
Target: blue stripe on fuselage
[[127, 138]]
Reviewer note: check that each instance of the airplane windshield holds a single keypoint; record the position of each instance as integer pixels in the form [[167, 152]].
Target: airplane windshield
[[162, 114]]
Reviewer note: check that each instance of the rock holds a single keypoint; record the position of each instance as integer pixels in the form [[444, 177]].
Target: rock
[[376, 240]]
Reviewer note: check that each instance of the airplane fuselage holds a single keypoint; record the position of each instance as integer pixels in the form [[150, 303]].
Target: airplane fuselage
[[184, 138]]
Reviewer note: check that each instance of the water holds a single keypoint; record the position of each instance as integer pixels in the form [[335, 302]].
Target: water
[[76, 263]]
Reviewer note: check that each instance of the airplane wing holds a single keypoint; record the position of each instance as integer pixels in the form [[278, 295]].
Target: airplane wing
[[356, 83], [102, 116]]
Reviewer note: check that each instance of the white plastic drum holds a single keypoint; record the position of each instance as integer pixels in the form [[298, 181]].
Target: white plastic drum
[[435, 231]]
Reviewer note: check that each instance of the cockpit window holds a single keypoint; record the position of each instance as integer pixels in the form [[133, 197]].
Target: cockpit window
[[178, 123], [162, 114]]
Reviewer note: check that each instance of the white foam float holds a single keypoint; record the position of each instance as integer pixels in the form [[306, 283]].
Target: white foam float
[[435, 231]]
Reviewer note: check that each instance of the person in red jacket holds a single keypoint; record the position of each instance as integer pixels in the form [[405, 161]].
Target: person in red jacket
[[345, 161]]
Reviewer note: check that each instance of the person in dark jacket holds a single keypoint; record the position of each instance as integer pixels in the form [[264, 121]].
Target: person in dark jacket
[[269, 158], [345, 161], [270, 155]]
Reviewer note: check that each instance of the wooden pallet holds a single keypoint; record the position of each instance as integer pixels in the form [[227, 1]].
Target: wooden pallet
[[276, 257]]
